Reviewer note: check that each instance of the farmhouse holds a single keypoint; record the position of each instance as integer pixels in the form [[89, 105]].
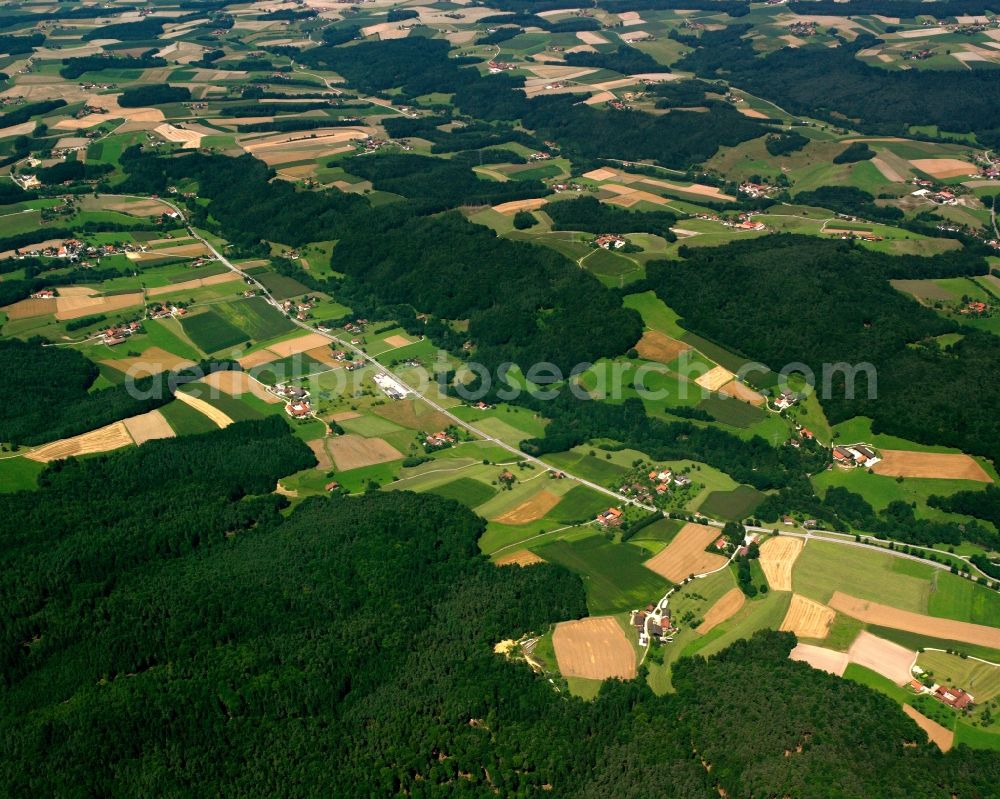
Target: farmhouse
[[439, 440], [44, 294], [298, 410], [954, 697], [853, 455], [612, 517], [610, 241]]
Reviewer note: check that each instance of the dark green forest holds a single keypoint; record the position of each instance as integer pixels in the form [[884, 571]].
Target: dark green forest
[[171, 631]]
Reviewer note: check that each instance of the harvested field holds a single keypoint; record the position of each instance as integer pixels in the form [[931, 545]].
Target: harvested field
[[715, 378], [352, 451], [521, 557], [104, 439], [148, 426], [931, 626], [323, 355], [397, 341], [942, 736], [741, 391], [631, 18], [887, 171], [531, 509], [309, 141], [239, 383], [626, 197], [25, 309], [258, 358], [153, 361], [324, 461], [189, 138], [595, 648], [725, 608], [686, 554], [711, 192], [599, 98], [75, 307], [753, 113], [511, 208], [944, 465], [883, 657], [344, 416], [294, 346], [777, 557], [821, 658], [657, 346], [213, 413], [600, 174], [214, 280], [181, 251], [807, 619], [589, 37], [945, 167]]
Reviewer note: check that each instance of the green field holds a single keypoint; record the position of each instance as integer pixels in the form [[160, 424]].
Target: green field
[[185, 420], [613, 575], [732, 505], [280, 286], [256, 317], [580, 504], [466, 490], [161, 335], [732, 411], [19, 474], [979, 679], [235, 409], [954, 597], [212, 332]]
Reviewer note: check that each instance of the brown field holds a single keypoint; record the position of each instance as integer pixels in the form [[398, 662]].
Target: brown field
[[741, 391], [630, 197], [807, 619], [411, 413], [954, 466], [214, 280], [725, 608], [939, 734], [75, 307], [181, 251], [887, 171], [695, 188], [521, 557], [294, 346], [343, 416], [600, 174], [237, 383], [324, 461], [213, 413], [945, 167], [148, 426], [323, 355], [189, 138], [151, 362], [397, 341], [884, 657], [531, 509], [25, 309], [885, 616], [589, 37], [257, 358], [352, 452], [821, 658], [657, 346], [511, 208], [715, 378], [595, 648], [686, 554], [777, 557], [104, 439], [753, 113]]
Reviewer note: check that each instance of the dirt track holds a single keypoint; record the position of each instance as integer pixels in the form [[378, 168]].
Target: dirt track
[[885, 616], [595, 648]]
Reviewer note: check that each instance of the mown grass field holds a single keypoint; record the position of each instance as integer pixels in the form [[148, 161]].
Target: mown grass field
[[255, 317], [468, 491], [732, 505], [212, 332], [185, 420]]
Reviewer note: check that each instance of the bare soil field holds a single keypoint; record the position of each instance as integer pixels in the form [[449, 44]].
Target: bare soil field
[[715, 378], [189, 138], [753, 113], [631, 18], [75, 307], [238, 383], [942, 736], [686, 554], [821, 658], [595, 648], [213, 413], [397, 341], [600, 174], [258, 358], [104, 439], [599, 98], [627, 197], [725, 608], [531, 509], [589, 37], [181, 250], [25, 309], [777, 557], [695, 188], [214, 280], [352, 452], [521, 557], [657, 346], [153, 361], [294, 346], [945, 167], [945, 465], [931, 626], [324, 461], [741, 391], [148, 426], [324, 355], [807, 619], [511, 208], [887, 171], [884, 657], [343, 416]]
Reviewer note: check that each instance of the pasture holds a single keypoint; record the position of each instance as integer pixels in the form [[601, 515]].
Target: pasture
[[732, 505], [468, 491]]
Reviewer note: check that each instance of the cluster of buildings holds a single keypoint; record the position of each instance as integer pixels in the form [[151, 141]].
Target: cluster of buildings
[[854, 455], [755, 190], [496, 67], [656, 484], [439, 440], [653, 622], [802, 28], [390, 386], [610, 241], [975, 308], [117, 335], [559, 187], [300, 308], [785, 399], [612, 517], [942, 197], [956, 698], [158, 311], [87, 110], [745, 222]]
